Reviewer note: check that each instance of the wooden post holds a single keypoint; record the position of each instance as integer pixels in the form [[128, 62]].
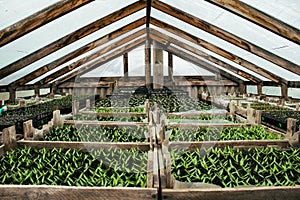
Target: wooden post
[[170, 66], [28, 130], [284, 91], [75, 107], [232, 108], [88, 104], [242, 88], [102, 93], [148, 64], [291, 134], [258, 116], [250, 116], [158, 72], [9, 138], [259, 89], [37, 91], [57, 120], [12, 95], [297, 106], [125, 63]]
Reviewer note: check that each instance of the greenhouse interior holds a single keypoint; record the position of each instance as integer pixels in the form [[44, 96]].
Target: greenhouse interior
[[150, 99]]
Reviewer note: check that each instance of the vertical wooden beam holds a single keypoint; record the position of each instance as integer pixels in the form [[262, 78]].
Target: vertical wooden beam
[[158, 72], [284, 92], [170, 65], [125, 64], [12, 94], [37, 91], [9, 138], [259, 89], [242, 88], [148, 64]]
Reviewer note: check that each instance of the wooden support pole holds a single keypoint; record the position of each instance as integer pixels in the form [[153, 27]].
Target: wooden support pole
[[12, 95], [242, 88], [284, 92], [37, 91], [158, 72], [250, 116], [293, 134], [148, 64], [232, 108], [75, 107], [57, 120], [170, 66], [88, 104], [258, 116], [9, 138], [259, 89], [125, 63]]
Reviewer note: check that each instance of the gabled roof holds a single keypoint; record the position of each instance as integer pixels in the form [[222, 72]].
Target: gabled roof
[[245, 39]]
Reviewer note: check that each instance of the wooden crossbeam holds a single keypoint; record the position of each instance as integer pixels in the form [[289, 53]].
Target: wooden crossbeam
[[194, 60], [39, 19], [229, 37], [260, 18], [72, 37], [106, 38], [206, 56], [117, 53], [211, 47]]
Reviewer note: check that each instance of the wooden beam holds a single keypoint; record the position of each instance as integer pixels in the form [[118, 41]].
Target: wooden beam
[[117, 53], [260, 18], [170, 66], [206, 56], [148, 63], [233, 39], [158, 70], [197, 61], [211, 47], [148, 13], [125, 65], [39, 19], [95, 55], [72, 37], [106, 38], [284, 92]]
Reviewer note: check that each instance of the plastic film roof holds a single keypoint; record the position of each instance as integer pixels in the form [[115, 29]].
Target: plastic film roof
[[285, 10]]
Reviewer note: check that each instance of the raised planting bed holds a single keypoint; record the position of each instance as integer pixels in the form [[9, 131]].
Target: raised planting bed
[[204, 172], [200, 118], [121, 117], [87, 133], [219, 133], [264, 106], [121, 100], [103, 172], [278, 119]]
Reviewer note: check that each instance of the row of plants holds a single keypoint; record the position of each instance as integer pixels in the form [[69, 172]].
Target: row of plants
[[205, 118], [108, 118], [264, 106], [102, 167], [224, 133], [120, 109], [121, 101], [230, 167], [279, 118], [87, 133]]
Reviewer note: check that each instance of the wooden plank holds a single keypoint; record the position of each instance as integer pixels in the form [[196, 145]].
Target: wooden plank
[[230, 143], [72, 37], [206, 125], [125, 65], [207, 56], [196, 61], [39, 19], [150, 170], [260, 18], [155, 169], [103, 60], [86, 48], [31, 192], [253, 193], [85, 146], [93, 56], [225, 35], [162, 176], [104, 123], [222, 52], [9, 138]]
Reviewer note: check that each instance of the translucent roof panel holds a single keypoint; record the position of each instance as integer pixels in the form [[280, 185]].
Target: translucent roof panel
[[228, 46]]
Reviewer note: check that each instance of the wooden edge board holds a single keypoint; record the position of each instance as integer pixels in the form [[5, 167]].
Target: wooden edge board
[[254, 193], [155, 169], [231, 143], [113, 113], [83, 145], [104, 123], [196, 114], [204, 125], [162, 176], [150, 170], [70, 193]]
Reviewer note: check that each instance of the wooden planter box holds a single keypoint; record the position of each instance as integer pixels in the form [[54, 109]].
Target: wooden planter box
[[212, 193]]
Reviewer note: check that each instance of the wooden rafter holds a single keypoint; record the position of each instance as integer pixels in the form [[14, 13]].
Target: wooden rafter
[[89, 58], [225, 35], [260, 18], [189, 57], [160, 36], [117, 53], [39, 19], [72, 37], [217, 50], [48, 67]]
